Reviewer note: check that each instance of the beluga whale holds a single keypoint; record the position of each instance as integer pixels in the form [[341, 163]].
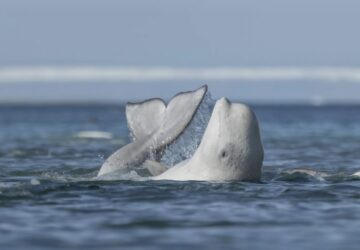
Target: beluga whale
[[230, 149], [153, 125]]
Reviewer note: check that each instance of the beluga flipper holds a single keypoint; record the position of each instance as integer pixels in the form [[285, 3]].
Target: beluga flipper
[[154, 125]]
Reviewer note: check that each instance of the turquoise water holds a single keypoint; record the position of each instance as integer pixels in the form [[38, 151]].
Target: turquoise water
[[49, 198]]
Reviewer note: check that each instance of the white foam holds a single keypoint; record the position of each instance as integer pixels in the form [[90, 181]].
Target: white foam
[[356, 174], [34, 182], [118, 176], [48, 74], [94, 135]]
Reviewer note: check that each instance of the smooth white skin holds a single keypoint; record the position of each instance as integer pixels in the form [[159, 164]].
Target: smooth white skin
[[231, 148]]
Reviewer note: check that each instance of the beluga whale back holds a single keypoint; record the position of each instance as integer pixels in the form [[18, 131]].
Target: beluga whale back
[[154, 125]]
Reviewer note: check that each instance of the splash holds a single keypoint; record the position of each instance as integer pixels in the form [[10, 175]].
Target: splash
[[314, 175], [132, 175], [181, 149], [184, 147]]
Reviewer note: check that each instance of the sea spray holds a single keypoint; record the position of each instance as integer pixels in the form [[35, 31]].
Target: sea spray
[[184, 147]]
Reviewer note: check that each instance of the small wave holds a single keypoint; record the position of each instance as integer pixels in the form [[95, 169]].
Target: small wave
[[357, 174], [299, 177], [75, 175], [90, 175], [94, 135], [35, 182], [311, 175], [120, 176]]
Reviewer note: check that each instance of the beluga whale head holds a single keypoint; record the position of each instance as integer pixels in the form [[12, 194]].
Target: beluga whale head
[[231, 148]]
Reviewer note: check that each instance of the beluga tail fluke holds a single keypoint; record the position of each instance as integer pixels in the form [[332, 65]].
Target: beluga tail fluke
[[154, 125]]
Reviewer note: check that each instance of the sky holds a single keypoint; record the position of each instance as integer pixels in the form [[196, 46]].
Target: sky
[[49, 50]]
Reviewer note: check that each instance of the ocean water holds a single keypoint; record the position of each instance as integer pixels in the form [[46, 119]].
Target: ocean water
[[49, 198]]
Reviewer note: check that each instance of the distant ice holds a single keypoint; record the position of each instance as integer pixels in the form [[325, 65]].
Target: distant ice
[[72, 74]]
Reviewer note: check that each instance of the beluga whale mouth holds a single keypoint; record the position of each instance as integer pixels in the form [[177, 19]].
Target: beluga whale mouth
[[230, 148]]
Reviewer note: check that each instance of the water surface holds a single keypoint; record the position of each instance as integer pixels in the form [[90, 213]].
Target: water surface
[[49, 198]]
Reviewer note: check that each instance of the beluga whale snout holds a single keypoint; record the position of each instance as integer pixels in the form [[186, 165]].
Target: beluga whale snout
[[230, 150]]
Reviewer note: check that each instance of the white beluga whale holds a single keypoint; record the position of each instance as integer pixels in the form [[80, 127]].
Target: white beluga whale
[[154, 125], [231, 148]]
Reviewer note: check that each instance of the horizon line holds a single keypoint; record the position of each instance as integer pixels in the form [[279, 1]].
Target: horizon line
[[50, 74], [123, 102]]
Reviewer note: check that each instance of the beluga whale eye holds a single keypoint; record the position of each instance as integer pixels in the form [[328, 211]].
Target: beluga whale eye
[[228, 152]]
